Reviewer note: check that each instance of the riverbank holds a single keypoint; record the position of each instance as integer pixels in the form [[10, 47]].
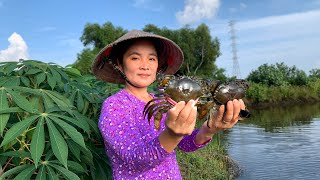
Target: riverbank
[[284, 103], [210, 162]]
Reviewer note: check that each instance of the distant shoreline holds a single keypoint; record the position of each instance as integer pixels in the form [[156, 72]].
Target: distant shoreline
[[285, 103]]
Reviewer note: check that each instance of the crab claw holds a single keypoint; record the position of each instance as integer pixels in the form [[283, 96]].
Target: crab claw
[[244, 114]]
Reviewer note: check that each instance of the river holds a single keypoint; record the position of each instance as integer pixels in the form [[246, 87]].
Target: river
[[278, 144]]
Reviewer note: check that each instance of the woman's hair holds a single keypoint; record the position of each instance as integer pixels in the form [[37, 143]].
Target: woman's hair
[[120, 49]]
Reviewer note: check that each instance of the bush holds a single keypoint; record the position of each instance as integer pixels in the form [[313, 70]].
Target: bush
[[48, 123]]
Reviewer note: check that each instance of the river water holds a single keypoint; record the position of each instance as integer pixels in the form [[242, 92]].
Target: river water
[[278, 143]]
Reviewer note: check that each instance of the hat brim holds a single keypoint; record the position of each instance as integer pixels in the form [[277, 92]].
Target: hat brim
[[171, 56]]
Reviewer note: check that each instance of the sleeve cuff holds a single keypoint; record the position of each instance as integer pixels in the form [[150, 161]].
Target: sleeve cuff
[[194, 133]]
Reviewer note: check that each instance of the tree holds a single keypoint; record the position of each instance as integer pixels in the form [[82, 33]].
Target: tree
[[278, 75], [94, 38], [314, 74], [200, 50]]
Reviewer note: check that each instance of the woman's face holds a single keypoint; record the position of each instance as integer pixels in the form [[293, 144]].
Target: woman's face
[[140, 63]]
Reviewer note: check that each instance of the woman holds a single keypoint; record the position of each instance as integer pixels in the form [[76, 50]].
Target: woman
[[135, 148]]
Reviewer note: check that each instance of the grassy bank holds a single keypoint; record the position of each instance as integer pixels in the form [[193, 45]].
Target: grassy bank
[[260, 96], [210, 162]]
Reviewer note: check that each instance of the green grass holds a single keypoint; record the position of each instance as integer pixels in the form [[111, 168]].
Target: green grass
[[259, 93], [209, 162]]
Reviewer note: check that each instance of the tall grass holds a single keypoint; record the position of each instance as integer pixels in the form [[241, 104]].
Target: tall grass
[[259, 93], [210, 162]]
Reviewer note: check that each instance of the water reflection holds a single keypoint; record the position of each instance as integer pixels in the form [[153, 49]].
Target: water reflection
[[278, 143]]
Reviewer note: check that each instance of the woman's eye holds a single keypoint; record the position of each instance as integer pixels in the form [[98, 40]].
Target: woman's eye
[[153, 59], [134, 58]]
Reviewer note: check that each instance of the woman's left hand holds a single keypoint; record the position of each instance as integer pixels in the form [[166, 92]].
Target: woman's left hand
[[225, 119]]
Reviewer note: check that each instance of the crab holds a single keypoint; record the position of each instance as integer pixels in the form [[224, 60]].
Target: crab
[[209, 93]]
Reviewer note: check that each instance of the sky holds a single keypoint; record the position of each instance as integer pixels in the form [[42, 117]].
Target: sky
[[265, 31]]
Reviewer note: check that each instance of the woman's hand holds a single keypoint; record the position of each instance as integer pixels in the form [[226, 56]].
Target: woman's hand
[[225, 119], [181, 119], [220, 120]]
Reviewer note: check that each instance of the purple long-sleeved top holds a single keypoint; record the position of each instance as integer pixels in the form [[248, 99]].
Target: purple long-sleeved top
[[132, 143]]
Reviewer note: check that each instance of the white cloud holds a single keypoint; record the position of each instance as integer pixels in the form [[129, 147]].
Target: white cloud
[[196, 10], [16, 50]]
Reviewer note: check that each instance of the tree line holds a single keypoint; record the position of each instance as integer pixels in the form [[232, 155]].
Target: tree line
[[200, 49]]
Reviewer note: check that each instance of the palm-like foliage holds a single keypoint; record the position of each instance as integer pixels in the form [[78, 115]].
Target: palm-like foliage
[[48, 123]]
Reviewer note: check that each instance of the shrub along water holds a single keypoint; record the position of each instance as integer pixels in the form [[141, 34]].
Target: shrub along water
[[264, 95]]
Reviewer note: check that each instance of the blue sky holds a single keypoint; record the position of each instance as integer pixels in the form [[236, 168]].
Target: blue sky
[[267, 31]]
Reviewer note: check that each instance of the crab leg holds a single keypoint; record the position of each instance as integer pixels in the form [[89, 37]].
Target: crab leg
[[163, 108], [148, 104], [153, 108]]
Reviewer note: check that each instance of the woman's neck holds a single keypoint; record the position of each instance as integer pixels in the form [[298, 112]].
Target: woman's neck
[[140, 93]]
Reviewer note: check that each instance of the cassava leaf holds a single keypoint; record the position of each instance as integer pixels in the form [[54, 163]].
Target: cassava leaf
[[3, 105], [51, 174], [9, 67], [25, 81], [21, 101], [18, 153], [84, 119], [33, 71], [72, 96], [71, 131], [80, 102], [55, 74], [42, 174], [51, 81], [61, 104], [17, 129], [38, 142], [10, 81], [76, 121], [74, 166], [25, 174], [58, 144], [28, 90], [48, 103], [65, 172], [11, 110], [40, 78], [15, 170], [74, 149]]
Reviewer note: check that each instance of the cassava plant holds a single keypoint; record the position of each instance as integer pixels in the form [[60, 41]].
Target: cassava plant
[[48, 123]]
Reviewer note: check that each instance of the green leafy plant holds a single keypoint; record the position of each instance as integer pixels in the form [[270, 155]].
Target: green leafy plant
[[48, 123]]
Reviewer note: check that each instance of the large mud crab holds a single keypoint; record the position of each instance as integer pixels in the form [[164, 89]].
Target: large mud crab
[[210, 95]]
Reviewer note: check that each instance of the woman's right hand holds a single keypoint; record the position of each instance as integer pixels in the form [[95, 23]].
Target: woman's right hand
[[181, 119]]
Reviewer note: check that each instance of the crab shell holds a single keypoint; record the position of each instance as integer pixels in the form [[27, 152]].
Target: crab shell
[[183, 89], [231, 90]]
